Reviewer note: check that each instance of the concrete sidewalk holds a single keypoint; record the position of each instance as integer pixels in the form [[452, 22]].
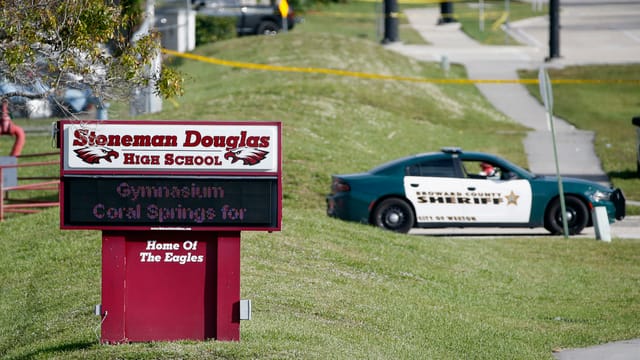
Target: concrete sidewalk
[[592, 32]]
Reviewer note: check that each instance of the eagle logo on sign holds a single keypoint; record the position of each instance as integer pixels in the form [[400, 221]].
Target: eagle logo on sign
[[93, 154], [249, 156]]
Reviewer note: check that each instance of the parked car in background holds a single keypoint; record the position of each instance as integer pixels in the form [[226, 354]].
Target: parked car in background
[[455, 188], [27, 100], [253, 18], [36, 100]]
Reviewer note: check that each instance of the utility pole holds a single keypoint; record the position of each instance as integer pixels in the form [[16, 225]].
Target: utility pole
[[446, 13], [145, 100], [554, 29], [390, 21]]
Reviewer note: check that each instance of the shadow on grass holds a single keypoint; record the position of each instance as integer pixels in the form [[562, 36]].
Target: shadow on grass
[[33, 199], [480, 235], [485, 235], [627, 174], [59, 350]]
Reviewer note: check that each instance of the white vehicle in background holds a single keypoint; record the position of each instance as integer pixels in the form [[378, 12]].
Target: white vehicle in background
[[28, 100]]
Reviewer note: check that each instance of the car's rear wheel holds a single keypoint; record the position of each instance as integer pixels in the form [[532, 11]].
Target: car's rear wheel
[[394, 214], [268, 28], [577, 216]]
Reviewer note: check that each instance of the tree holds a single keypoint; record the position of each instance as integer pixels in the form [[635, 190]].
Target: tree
[[57, 44]]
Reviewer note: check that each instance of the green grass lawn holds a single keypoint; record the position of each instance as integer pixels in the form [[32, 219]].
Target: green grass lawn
[[487, 29], [347, 291], [361, 19], [322, 288], [365, 19], [335, 124]]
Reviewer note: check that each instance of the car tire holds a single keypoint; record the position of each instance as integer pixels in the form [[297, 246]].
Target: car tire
[[394, 214], [577, 216], [267, 27]]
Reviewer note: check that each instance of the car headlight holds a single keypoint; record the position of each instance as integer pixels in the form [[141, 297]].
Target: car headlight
[[599, 195]]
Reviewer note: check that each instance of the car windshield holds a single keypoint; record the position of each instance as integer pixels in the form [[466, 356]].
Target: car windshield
[[524, 172]]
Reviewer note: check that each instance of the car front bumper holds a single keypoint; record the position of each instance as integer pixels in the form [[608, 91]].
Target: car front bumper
[[619, 202]]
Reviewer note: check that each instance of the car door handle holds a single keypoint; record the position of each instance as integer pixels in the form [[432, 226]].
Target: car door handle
[[471, 188], [414, 185]]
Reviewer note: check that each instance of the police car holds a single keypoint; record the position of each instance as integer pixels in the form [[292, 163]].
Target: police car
[[455, 188]]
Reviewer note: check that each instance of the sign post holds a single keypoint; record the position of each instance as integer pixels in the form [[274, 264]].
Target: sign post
[[283, 7], [171, 199], [547, 97]]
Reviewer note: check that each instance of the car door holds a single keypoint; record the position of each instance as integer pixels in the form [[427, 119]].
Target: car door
[[434, 187], [441, 193], [500, 196], [496, 201]]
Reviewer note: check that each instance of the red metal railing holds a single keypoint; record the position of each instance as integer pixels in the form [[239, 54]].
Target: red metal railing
[[27, 206]]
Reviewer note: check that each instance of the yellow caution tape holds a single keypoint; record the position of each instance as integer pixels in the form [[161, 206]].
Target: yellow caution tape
[[501, 20], [363, 75]]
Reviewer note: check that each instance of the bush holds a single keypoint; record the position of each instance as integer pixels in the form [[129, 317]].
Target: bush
[[211, 29]]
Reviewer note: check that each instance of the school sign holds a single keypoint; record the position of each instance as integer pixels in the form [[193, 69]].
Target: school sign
[[171, 198]]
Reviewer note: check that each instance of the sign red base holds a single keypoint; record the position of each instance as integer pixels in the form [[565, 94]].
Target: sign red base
[[170, 285]]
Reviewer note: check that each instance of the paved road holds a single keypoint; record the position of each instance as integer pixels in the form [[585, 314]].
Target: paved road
[[629, 228]]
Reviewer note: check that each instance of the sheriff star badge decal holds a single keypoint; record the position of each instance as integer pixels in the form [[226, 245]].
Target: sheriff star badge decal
[[512, 198]]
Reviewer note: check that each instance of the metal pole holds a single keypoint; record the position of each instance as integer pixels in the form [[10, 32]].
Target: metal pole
[[1, 196], [506, 21], [507, 9], [554, 29], [481, 15], [145, 100], [563, 207], [547, 96], [390, 21], [446, 13]]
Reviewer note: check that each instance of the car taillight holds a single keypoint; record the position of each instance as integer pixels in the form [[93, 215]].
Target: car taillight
[[340, 185]]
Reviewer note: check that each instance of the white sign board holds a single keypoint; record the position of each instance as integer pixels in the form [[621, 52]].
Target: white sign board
[[164, 147]]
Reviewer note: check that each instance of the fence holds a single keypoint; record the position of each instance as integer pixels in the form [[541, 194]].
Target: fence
[[11, 183]]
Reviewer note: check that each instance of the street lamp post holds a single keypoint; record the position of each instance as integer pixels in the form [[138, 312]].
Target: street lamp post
[[554, 29]]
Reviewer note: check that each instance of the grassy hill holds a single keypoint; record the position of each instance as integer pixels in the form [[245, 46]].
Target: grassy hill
[[333, 123], [322, 288]]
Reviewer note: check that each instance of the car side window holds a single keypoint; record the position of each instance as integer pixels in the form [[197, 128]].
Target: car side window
[[475, 169], [432, 168]]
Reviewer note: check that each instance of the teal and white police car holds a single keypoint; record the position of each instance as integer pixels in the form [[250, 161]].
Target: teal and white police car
[[455, 188]]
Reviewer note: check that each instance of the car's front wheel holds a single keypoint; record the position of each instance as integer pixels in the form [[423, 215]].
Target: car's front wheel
[[267, 27], [577, 216], [394, 214]]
